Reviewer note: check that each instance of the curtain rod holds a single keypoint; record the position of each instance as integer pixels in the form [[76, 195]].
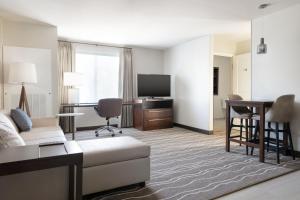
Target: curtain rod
[[95, 44]]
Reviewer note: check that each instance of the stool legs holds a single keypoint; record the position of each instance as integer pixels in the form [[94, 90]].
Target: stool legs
[[241, 130], [291, 140], [277, 142], [247, 136], [255, 134], [269, 131]]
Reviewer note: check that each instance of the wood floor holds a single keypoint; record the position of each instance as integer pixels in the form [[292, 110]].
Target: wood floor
[[285, 187]]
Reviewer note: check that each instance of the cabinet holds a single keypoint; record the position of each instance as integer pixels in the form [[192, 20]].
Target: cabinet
[[151, 114]]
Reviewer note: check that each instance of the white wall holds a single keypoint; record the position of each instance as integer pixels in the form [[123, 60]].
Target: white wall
[[278, 72], [190, 65], [225, 84], [145, 61], [23, 34]]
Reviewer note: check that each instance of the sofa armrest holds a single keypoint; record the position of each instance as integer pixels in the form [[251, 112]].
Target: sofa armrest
[[43, 122]]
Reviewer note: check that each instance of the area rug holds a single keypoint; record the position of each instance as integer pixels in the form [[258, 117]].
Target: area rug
[[192, 166]]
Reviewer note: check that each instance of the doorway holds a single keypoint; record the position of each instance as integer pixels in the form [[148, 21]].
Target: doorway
[[232, 75]]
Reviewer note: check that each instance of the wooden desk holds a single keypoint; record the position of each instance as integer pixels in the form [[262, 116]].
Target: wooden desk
[[72, 116], [68, 108], [34, 157], [260, 109]]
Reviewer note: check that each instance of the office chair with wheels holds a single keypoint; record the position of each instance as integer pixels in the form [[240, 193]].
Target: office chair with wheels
[[109, 108]]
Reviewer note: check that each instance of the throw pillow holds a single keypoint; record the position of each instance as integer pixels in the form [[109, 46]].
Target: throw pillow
[[21, 119], [9, 137]]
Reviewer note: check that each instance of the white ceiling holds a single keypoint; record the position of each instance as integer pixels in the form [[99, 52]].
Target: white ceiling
[[151, 23]]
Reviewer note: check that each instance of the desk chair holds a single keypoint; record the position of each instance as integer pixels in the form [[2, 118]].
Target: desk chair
[[109, 108]]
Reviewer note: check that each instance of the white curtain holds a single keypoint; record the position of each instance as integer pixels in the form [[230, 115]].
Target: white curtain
[[127, 87], [65, 64]]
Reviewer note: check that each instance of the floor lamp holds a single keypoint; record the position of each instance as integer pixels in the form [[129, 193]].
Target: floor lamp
[[22, 73]]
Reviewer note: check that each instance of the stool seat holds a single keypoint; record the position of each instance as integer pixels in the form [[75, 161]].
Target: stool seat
[[111, 150]]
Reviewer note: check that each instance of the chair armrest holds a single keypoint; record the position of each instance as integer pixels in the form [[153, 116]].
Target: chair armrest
[[44, 122]]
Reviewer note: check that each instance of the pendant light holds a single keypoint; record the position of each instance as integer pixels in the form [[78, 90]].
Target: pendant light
[[262, 47]]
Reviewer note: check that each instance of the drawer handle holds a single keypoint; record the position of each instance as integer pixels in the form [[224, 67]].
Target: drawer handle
[[158, 111], [151, 120]]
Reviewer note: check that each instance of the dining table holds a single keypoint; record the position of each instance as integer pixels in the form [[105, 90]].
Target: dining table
[[259, 107]]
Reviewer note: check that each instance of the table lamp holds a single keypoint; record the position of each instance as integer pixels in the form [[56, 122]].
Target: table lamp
[[22, 73], [73, 79]]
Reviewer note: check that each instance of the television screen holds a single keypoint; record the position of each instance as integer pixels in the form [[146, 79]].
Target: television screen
[[153, 85]]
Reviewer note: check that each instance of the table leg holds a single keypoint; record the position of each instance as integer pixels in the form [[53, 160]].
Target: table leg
[[261, 111], [285, 139], [79, 181], [251, 125], [227, 127], [71, 182], [74, 128]]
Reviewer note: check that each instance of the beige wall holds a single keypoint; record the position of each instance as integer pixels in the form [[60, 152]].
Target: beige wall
[[226, 45], [31, 35], [243, 47]]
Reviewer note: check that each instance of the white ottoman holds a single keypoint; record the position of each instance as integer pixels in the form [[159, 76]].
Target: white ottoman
[[110, 163]]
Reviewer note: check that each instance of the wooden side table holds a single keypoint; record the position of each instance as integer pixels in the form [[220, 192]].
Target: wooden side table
[[71, 115], [45, 156]]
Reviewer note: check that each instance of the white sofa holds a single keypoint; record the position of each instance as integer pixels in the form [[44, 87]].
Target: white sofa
[[107, 164]]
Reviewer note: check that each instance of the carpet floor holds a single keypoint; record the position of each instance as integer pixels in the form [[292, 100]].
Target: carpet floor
[[193, 166]]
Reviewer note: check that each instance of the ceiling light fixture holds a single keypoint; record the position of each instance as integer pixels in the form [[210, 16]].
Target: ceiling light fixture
[[262, 47]]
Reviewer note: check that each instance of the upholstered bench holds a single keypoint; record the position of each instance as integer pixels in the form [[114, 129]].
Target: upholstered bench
[[114, 162]]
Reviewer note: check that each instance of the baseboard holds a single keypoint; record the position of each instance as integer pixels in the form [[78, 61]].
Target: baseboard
[[207, 132], [88, 128]]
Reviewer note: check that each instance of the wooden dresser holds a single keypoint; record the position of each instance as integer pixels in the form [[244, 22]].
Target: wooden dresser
[[150, 114]]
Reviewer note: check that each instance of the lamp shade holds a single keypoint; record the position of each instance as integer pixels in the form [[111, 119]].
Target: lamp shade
[[73, 79], [21, 73]]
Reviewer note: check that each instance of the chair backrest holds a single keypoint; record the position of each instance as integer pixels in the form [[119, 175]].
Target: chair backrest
[[238, 109], [110, 107], [283, 109]]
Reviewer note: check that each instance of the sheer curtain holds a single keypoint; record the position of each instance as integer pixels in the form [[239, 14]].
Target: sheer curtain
[[127, 87], [100, 67], [65, 64]]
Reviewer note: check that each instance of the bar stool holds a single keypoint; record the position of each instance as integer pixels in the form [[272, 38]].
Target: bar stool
[[280, 114], [242, 113]]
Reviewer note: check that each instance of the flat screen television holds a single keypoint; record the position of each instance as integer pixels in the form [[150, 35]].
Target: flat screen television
[[153, 85]]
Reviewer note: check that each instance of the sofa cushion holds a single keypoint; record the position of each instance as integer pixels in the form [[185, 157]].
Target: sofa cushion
[[21, 119], [43, 135], [111, 150], [9, 136]]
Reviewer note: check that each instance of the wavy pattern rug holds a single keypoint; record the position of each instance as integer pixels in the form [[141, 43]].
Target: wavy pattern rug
[[192, 166]]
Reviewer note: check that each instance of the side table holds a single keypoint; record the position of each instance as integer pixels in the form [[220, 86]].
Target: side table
[[45, 156]]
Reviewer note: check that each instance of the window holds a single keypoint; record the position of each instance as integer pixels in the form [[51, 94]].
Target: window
[[100, 76]]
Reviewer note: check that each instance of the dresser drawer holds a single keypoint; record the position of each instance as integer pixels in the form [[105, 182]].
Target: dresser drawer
[[157, 113], [158, 123]]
